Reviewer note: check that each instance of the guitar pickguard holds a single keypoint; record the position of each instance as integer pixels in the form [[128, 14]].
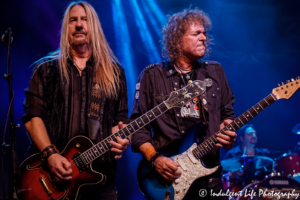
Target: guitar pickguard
[[191, 169]]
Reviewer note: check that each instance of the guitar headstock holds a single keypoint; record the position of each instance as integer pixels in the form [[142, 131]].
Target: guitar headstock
[[285, 91], [181, 97]]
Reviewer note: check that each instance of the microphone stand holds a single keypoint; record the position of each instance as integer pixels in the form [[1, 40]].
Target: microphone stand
[[14, 170]]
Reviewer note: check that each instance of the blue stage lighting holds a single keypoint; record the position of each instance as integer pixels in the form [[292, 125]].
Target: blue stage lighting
[[157, 12], [126, 58], [153, 22], [153, 53]]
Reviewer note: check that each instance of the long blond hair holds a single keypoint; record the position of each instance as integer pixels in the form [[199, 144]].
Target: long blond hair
[[105, 62]]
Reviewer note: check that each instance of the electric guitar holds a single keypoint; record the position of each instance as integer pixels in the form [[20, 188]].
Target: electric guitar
[[36, 182], [189, 155]]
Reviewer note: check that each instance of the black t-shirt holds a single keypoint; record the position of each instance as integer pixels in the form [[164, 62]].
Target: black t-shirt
[[190, 113]]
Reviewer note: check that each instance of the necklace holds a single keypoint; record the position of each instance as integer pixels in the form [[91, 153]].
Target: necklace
[[78, 67], [188, 75]]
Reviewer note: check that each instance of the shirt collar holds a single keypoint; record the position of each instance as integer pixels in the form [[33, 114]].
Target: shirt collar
[[88, 63], [170, 69], [239, 150]]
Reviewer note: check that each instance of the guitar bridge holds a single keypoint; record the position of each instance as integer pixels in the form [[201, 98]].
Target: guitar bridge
[[45, 186], [79, 162]]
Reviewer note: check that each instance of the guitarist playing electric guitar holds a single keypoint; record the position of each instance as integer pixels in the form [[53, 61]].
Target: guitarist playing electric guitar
[[184, 42], [80, 89]]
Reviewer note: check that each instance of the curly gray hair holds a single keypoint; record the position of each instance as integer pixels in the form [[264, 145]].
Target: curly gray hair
[[176, 26]]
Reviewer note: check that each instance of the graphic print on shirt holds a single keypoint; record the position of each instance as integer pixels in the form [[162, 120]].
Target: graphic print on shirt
[[191, 109]]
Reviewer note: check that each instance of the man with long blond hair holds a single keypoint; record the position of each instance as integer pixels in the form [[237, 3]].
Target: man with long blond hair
[[80, 89], [185, 42]]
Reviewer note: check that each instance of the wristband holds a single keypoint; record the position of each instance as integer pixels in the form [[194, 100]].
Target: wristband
[[48, 151], [152, 159]]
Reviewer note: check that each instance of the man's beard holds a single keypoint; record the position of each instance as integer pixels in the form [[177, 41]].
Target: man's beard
[[79, 41], [253, 141]]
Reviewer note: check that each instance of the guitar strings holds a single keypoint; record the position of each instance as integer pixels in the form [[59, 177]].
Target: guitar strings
[[143, 117], [267, 101], [213, 136]]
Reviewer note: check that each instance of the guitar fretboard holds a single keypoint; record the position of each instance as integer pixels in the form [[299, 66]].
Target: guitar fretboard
[[102, 147], [208, 145]]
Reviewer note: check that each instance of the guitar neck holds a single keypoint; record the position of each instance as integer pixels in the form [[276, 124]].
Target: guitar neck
[[102, 147], [208, 145]]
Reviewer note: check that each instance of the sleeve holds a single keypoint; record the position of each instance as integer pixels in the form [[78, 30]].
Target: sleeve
[[228, 99], [122, 107], [34, 104], [141, 104]]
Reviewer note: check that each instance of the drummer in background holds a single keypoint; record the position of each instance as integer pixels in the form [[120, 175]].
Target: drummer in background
[[247, 138]]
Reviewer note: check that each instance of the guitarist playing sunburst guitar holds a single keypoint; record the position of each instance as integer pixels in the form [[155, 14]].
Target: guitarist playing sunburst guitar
[[185, 41], [80, 89]]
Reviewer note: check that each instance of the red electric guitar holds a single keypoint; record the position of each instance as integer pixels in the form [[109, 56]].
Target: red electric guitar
[[36, 182]]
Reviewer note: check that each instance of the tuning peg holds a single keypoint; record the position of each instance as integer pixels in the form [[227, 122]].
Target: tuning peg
[[297, 77], [282, 83], [278, 85], [293, 80], [287, 81]]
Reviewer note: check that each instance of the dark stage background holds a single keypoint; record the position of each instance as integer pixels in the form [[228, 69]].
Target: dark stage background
[[257, 42]]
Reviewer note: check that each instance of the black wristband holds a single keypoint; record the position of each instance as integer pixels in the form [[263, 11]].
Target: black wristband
[[48, 151], [152, 159]]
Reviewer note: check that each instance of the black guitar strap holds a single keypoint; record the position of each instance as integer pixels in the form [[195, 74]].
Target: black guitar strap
[[97, 105], [203, 105]]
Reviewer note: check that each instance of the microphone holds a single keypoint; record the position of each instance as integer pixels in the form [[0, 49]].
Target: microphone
[[5, 36]]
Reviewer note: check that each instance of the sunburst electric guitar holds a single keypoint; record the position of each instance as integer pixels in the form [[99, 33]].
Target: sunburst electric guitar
[[35, 181], [189, 154]]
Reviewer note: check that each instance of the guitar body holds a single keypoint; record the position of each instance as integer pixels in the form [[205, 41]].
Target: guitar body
[[36, 183], [152, 184], [154, 187]]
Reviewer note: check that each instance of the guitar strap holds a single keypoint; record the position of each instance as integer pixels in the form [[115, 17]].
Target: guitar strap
[[203, 105], [204, 108], [96, 108]]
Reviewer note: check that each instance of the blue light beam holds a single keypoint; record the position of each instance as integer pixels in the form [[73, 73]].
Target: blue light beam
[[147, 39], [153, 22], [157, 12], [125, 57]]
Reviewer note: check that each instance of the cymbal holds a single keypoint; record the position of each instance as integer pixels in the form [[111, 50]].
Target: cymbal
[[296, 129], [246, 163]]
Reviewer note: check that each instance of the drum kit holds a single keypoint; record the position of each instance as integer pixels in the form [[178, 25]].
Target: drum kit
[[260, 177]]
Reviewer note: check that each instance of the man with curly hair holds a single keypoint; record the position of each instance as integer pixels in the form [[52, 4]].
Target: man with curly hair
[[185, 42]]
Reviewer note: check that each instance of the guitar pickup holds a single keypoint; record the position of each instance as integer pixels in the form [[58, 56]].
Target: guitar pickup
[[182, 165], [51, 181], [192, 158]]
